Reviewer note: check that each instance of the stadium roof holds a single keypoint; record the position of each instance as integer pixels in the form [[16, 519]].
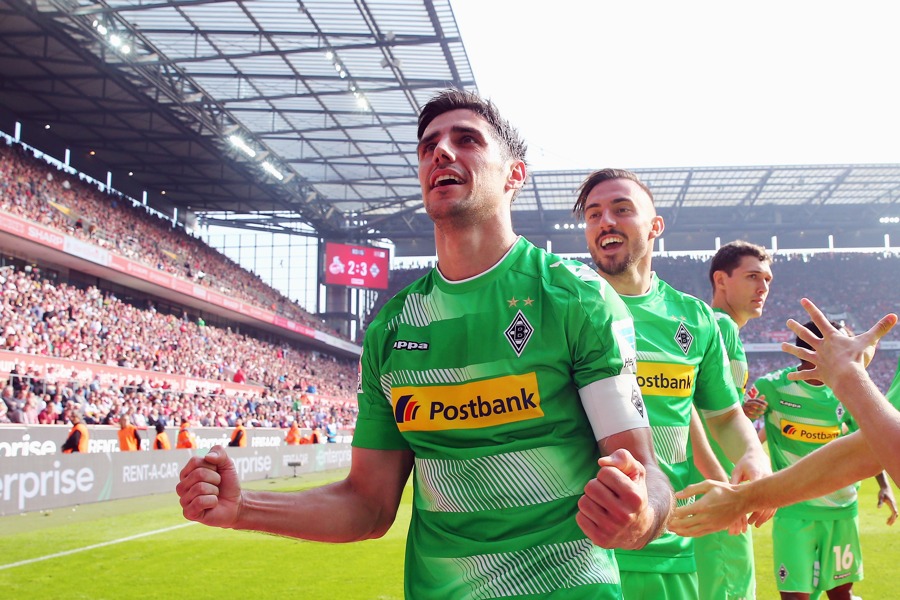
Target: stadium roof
[[327, 92]]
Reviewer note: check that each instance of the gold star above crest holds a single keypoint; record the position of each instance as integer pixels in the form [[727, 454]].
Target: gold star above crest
[[513, 302], [528, 301]]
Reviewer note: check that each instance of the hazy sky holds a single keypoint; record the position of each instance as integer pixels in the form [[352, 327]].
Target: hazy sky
[[654, 84]]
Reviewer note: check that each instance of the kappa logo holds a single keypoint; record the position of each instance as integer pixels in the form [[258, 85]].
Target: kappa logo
[[408, 345], [519, 332], [683, 338]]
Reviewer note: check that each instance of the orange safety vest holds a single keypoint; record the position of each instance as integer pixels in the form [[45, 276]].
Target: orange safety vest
[[234, 434], [186, 439], [128, 439], [83, 442], [162, 442], [293, 435]]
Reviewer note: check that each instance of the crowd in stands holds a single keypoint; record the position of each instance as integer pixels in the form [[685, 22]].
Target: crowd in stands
[[856, 288], [33, 189], [42, 318], [33, 400]]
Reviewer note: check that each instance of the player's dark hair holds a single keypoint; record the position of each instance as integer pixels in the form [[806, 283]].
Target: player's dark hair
[[814, 329], [729, 256], [598, 177], [511, 142]]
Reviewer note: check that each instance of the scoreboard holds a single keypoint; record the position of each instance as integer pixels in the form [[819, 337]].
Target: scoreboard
[[356, 266]]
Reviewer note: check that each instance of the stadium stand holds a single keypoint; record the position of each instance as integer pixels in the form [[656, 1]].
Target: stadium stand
[[62, 321], [45, 317], [36, 190]]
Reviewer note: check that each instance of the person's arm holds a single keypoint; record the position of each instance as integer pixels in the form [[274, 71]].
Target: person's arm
[[629, 502], [71, 443], [362, 506], [837, 464], [704, 458], [886, 496], [738, 439], [840, 362], [755, 407]]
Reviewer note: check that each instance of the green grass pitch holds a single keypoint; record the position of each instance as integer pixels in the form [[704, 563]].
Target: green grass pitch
[[193, 561]]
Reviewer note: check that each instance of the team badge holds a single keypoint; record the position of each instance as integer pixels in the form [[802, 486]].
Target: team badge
[[637, 399], [782, 572], [519, 332], [839, 411], [684, 338]]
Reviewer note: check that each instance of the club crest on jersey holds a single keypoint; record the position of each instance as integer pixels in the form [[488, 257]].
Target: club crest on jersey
[[782, 572], [519, 332], [637, 399], [839, 411], [683, 338]]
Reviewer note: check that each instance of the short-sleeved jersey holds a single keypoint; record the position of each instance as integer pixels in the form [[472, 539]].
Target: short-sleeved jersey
[[737, 362], [681, 361], [484, 380], [801, 418]]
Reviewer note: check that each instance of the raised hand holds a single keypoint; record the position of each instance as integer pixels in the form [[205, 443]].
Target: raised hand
[[209, 490]]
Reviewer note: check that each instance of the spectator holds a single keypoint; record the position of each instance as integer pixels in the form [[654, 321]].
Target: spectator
[[78, 438], [161, 441], [129, 438], [48, 414], [293, 436], [239, 435], [186, 438]]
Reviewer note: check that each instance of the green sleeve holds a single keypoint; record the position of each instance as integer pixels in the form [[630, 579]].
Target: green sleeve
[[715, 387], [376, 427]]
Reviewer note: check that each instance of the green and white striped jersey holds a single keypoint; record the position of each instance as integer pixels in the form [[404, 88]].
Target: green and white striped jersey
[[801, 418], [740, 371], [490, 381], [681, 360]]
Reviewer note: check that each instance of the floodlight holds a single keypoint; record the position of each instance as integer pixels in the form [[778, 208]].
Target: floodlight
[[242, 146], [268, 168]]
